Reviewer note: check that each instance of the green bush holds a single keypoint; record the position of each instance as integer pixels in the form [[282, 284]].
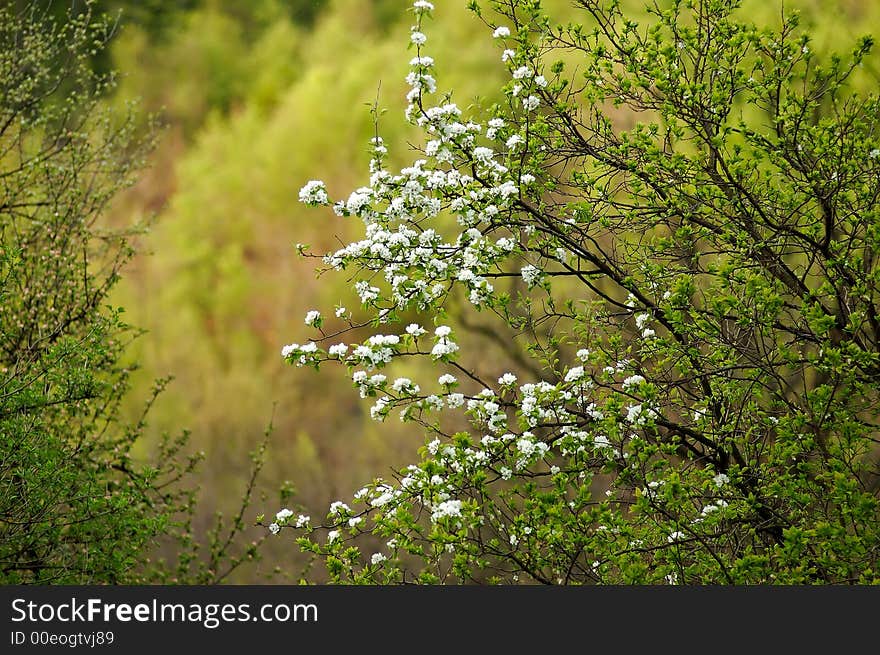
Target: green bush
[[76, 506]]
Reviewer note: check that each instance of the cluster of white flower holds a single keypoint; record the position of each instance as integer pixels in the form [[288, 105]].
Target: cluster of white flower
[[544, 402], [652, 488], [642, 325], [512, 142], [444, 346], [301, 355], [366, 292], [574, 374], [484, 409], [405, 386], [407, 259], [632, 381], [419, 265], [494, 125], [380, 409], [532, 275], [281, 518], [639, 414], [314, 193], [338, 350], [445, 509], [313, 318], [712, 507], [529, 449], [378, 351]]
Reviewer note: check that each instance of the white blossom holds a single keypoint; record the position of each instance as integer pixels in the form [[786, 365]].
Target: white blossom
[[574, 374], [506, 380], [384, 498], [531, 103], [639, 415], [314, 193], [448, 508], [405, 385], [633, 381], [501, 32], [365, 291], [531, 275], [455, 400], [443, 349], [379, 408]]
